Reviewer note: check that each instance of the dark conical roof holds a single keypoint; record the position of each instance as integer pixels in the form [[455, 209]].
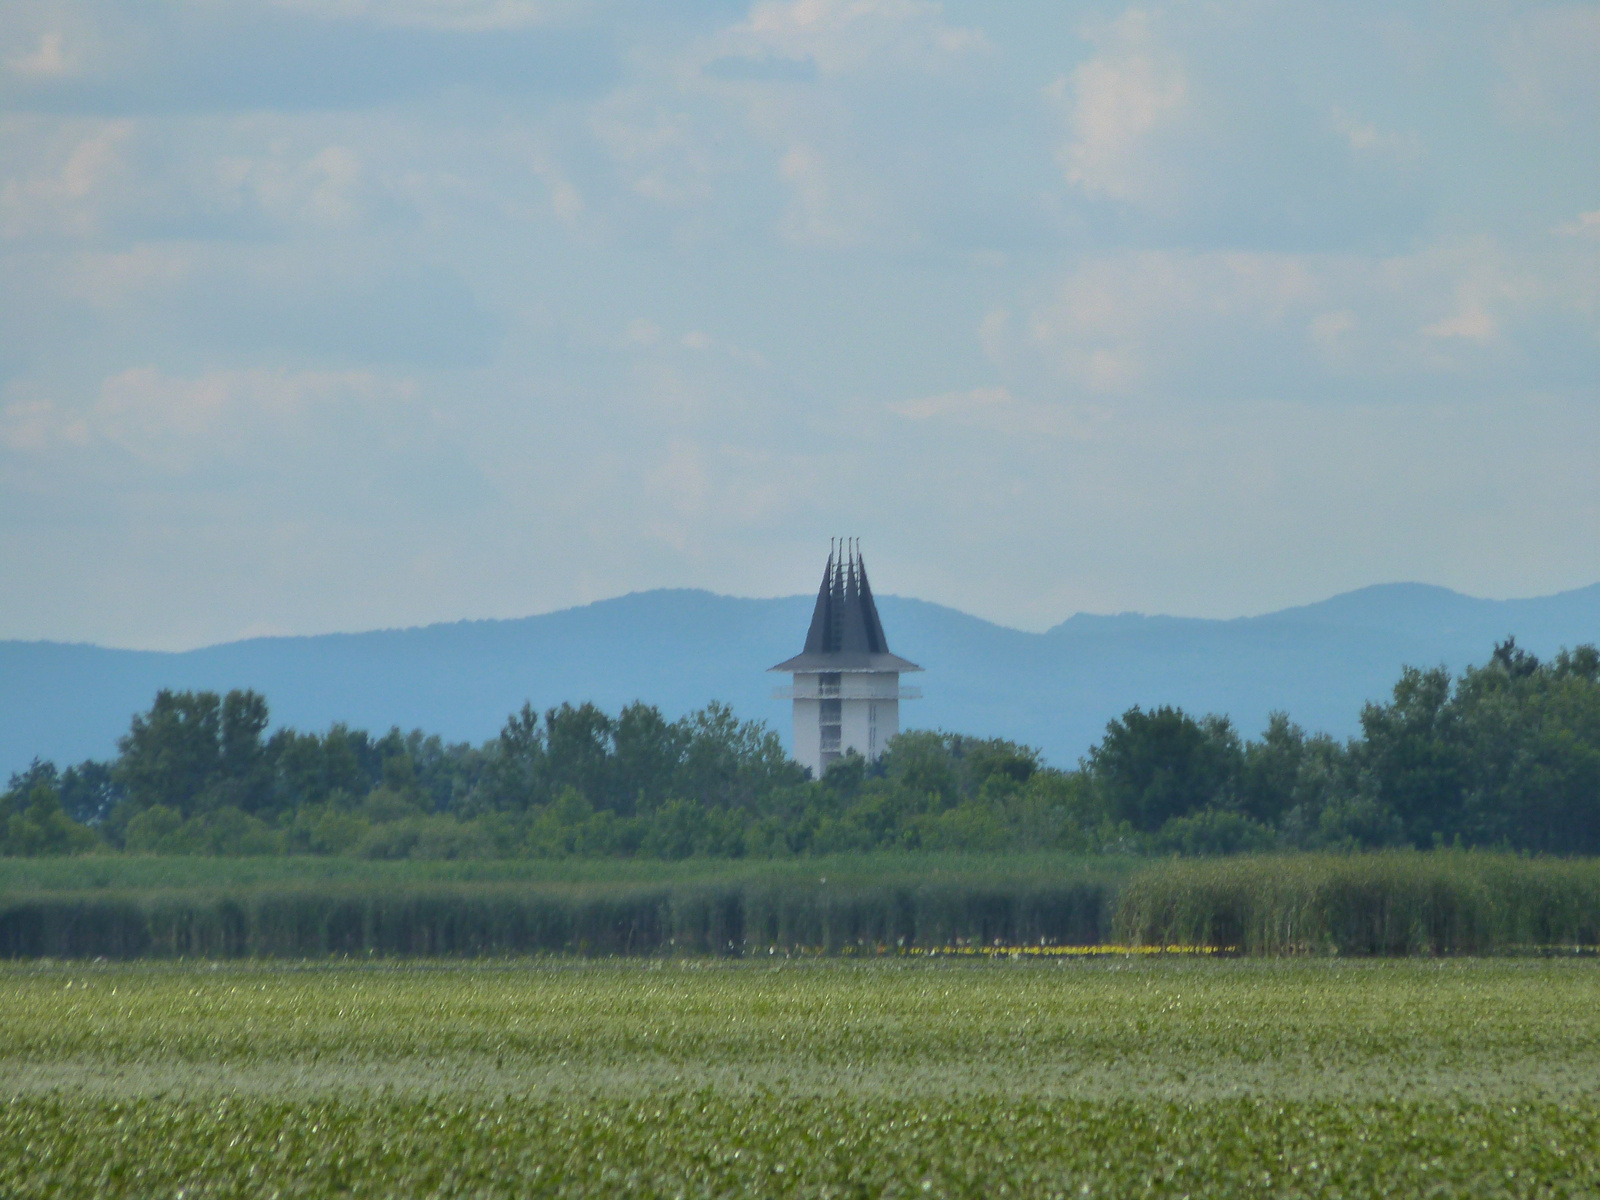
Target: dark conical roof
[[820, 636], [846, 633]]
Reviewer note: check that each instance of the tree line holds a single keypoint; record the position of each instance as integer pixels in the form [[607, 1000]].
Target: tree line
[[1506, 755]]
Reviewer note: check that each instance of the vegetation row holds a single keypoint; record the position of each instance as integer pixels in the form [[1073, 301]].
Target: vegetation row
[[1388, 903], [1506, 756], [635, 1082]]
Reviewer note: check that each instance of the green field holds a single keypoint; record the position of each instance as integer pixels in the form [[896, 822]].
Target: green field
[[694, 1077]]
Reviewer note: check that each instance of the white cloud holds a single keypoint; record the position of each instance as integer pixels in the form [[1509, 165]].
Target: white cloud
[[994, 334], [1365, 138], [48, 60], [703, 343], [841, 36], [655, 346], [1327, 328], [681, 480], [817, 82], [657, 148], [829, 208], [1472, 325], [1116, 105], [1113, 314], [1194, 323], [68, 197], [35, 426], [126, 180], [319, 188], [641, 331], [1550, 78], [695, 490], [1586, 225], [468, 16], [996, 410], [174, 425], [566, 201], [142, 274], [947, 403]]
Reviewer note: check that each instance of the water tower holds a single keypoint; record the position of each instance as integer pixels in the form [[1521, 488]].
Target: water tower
[[846, 689]]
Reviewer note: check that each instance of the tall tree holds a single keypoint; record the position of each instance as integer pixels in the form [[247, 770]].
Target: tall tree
[[578, 747], [1163, 763], [172, 753], [1414, 757]]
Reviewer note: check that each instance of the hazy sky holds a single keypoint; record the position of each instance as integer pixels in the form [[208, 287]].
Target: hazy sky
[[336, 314]]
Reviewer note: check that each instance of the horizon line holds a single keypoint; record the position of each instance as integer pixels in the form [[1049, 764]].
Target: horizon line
[[801, 596]]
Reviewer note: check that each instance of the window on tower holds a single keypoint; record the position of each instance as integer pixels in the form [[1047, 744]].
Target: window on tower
[[829, 719]]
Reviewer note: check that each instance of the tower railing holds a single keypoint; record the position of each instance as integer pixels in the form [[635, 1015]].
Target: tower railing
[[834, 692]]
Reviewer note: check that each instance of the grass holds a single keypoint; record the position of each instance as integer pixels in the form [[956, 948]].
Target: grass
[[704, 1078]]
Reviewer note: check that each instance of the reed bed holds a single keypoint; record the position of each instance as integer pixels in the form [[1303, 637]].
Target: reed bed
[[464, 920], [143, 872], [1386, 904], [1397, 903]]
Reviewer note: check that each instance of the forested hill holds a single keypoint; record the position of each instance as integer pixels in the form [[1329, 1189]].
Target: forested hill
[[680, 649]]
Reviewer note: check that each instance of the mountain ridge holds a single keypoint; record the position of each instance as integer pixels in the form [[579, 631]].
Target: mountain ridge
[[680, 648]]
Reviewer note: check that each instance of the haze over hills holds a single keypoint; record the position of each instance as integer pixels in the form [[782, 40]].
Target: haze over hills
[[680, 649]]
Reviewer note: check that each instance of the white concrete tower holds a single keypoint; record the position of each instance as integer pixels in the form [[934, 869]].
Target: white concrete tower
[[846, 689]]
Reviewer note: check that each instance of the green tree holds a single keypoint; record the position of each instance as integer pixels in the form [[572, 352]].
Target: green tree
[[1530, 747], [1412, 751], [732, 764], [514, 771], [87, 792], [32, 821], [1269, 774], [921, 762], [245, 771], [171, 754], [578, 748], [1161, 764], [648, 756]]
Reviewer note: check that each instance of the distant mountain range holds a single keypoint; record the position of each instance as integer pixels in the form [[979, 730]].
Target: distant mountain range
[[680, 649]]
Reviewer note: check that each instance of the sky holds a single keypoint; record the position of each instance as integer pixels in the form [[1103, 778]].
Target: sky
[[344, 314]]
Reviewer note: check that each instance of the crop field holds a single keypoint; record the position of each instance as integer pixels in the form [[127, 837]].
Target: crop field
[[1100, 1077]]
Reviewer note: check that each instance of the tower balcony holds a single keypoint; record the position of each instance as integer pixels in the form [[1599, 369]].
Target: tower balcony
[[837, 692]]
